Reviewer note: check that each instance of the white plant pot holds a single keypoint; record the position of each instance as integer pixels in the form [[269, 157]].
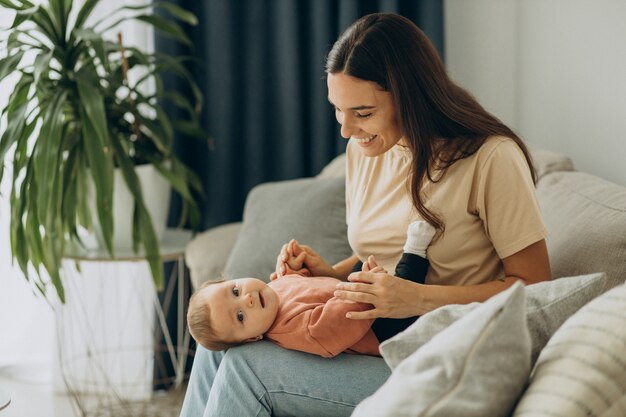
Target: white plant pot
[[156, 195]]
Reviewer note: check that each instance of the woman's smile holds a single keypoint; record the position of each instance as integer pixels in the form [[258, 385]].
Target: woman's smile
[[364, 141]]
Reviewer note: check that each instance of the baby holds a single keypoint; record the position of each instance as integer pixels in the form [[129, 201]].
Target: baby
[[300, 312]]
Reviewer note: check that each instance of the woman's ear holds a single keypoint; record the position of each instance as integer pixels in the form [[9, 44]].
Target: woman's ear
[[253, 339]]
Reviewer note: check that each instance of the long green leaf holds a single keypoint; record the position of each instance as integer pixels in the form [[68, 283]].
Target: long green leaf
[[46, 26], [190, 176], [178, 12], [180, 101], [178, 183], [23, 15], [42, 64], [16, 112], [101, 167], [191, 128], [190, 207], [147, 234], [16, 41], [136, 227], [45, 155], [17, 235], [60, 13], [97, 138], [166, 27], [93, 104], [85, 12], [71, 176], [173, 9], [176, 66], [9, 64], [95, 40], [35, 242], [11, 5], [83, 212], [151, 246], [157, 134]]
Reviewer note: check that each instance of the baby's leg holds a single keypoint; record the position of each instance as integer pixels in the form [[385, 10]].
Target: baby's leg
[[413, 264]]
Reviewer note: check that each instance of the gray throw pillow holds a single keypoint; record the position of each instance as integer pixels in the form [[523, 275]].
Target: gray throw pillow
[[549, 304], [586, 219], [476, 367], [311, 210]]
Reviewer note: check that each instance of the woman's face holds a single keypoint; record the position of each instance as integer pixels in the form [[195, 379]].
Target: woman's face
[[365, 112]]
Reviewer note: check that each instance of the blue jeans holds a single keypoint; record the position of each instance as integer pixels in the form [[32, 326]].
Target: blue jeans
[[262, 379]]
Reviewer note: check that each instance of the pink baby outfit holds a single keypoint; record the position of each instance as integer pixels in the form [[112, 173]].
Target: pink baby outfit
[[310, 319]]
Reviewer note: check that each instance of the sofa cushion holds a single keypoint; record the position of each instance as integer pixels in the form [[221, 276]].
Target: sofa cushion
[[335, 168], [546, 162], [311, 210], [207, 253], [586, 220], [582, 370], [476, 367], [549, 304]]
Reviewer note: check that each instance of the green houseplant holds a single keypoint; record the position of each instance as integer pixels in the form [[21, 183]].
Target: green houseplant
[[74, 116]]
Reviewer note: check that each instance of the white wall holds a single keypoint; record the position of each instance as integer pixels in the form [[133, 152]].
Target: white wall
[[555, 70]]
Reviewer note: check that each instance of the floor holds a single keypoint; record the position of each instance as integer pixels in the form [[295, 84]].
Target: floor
[[33, 396]]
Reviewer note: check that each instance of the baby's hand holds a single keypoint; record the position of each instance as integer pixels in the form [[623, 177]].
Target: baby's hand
[[370, 265], [295, 260]]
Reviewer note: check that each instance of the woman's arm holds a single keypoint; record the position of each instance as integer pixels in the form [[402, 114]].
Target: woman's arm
[[399, 298]]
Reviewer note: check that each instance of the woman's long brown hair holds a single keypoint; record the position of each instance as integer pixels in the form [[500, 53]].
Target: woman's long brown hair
[[441, 122]]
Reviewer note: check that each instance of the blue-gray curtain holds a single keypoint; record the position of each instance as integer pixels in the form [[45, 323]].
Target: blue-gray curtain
[[260, 64]]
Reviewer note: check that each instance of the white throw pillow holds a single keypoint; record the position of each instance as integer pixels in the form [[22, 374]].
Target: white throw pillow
[[582, 370], [476, 367], [548, 305]]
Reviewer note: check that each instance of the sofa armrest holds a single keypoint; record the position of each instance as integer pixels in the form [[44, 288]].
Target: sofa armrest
[[207, 253]]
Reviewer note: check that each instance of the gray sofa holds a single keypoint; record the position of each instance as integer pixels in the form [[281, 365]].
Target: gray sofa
[[586, 220]]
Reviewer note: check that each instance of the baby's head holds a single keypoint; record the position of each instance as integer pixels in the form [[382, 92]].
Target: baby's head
[[224, 314]]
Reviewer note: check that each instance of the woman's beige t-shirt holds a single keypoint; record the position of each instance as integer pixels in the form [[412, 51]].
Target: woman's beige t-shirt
[[487, 202]]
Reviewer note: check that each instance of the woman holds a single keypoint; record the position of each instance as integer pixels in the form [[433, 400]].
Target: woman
[[420, 148]]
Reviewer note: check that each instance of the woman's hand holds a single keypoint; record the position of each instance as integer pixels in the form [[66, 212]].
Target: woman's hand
[[391, 296]]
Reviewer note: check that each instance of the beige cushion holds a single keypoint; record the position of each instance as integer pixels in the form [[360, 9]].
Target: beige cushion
[[476, 367], [207, 253], [547, 162], [335, 168], [582, 370], [586, 220]]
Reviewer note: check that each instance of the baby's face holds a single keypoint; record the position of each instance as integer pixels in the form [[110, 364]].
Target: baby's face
[[241, 309]]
